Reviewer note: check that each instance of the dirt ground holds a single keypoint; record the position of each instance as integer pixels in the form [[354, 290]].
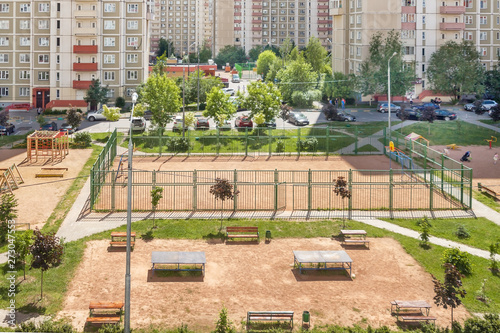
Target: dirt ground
[[253, 277], [38, 197]]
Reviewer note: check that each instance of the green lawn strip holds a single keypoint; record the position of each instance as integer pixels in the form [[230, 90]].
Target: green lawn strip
[[447, 132], [483, 232], [367, 149], [57, 279], [103, 137], [8, 139], [490, 122], [487, 200]]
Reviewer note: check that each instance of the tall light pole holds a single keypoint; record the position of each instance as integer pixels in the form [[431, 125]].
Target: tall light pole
[[389, 90], [198, 83], [129, 222]]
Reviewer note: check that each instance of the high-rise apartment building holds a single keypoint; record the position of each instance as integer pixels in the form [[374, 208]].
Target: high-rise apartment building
[[53, 49], [424, 26]]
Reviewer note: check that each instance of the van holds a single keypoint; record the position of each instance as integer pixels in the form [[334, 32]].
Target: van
[[235, 78]]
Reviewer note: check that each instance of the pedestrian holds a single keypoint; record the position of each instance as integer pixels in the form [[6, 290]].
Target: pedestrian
[[336, 101], [330, 101], [244, 87], [238, 88], [495, 158], [411, 100], [39, 111], [343, 104], [446, 152]]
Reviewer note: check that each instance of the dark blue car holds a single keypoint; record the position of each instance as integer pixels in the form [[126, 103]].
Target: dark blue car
[[421, 107]]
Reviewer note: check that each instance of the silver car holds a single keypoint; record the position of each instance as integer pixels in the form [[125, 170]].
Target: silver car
[[97, 115], [384, 107], [486, 105]]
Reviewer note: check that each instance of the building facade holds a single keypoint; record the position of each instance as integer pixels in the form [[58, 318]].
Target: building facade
[[52, 50]]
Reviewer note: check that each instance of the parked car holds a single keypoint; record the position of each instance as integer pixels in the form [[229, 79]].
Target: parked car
[[235, 78], [384, 107], [445, 115], [148, 115], [298, 118], [201, 123], [226, 126], [178, 124], [229, 91], [271, 123], [7, 129], [343, 116], [422, 106], [67, 128], [138, 124], [413, 114], [486, 105], [49, 127], [97, 115], [243, 121], [236, 101]]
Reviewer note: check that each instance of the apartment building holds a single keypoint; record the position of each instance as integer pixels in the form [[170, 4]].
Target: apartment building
[[52, 50], [424, 26]]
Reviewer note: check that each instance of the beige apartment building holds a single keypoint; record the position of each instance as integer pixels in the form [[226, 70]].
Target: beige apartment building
[[52, 50], [424, 26]]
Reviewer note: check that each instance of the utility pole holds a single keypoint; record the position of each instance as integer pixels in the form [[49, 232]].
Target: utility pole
[[198, 107]]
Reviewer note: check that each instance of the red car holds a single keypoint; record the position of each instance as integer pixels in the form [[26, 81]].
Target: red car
[[243, 121]]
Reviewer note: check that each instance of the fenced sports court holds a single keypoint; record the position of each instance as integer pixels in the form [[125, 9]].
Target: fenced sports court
[[398, 189]]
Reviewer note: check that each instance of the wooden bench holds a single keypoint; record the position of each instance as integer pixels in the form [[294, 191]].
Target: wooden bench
[[277, 316], [419, 319], [103, 320], [487, 190], [354, 237], [120, 239], [105, 312], [242, 232]]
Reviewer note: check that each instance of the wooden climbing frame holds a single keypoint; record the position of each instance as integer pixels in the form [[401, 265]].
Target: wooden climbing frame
[[47, 144], [10, 179]]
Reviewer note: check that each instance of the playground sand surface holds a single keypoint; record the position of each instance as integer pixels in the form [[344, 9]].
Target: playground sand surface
[[246, 276], [38, 197]]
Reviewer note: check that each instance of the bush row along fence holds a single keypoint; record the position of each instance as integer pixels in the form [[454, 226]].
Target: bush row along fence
[[276, 190], [104, 162], [264, 141]]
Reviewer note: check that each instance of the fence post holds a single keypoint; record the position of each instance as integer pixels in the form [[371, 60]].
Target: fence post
[[153, 180], [462, 184], [246, 142], [195, 190], [113, 197], [235, 200], [218, 142], [442, 172], [431, 185], [470, 187], [298, 141], [390, 193], [270, 139], [275, 190], [92, 192], [349, 203], [189, 142], [309, 190], [385, 141], [425, 158], [327, 140], [356, 142], [160, 133]]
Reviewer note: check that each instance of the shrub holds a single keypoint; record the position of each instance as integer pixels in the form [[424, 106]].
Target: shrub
[[120, 102], [424, 236], [309, 144], [83, 139], [458, 259], [298, 98], [462, 233], [280, 146], [178, 144]]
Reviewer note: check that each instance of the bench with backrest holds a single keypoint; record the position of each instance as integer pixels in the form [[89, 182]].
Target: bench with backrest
[[276, 316], [120, 239], [488, 190], [419, 319], [242, 232], [354, 237], [105, 312]]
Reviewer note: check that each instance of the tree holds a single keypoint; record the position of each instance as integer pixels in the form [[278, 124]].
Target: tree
[[165, 47], [22, 244], [120, 102], [429, 115], [163, 97], [219, 106], [111, 114], [330, 111], [403, 116], [341, 189], [223, 190], [295, 54], [264, 62], [448, 293], [156, 196], [224, 325], [495, 112], [285, 49], [297, 76], [4, 118], [8, 212], [316, 55], [373, 74], [274, 69], [230, 54], [456, 69], [74, 118], [47, 252], [494, 251], [264, 98], [96, 94], [206, 84], [424, 236], [205, 54], [343, 85], [41, 120], [254, 52], [492, 83]]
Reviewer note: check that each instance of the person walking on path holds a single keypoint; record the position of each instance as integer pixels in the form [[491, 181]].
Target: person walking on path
[[495, 158], [411, 100], [343, 104]]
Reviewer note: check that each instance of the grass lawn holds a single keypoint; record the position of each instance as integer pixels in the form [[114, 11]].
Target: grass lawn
[[8, 139], [446, 132], [56, 280], [482, 231], [487, 200], [490, 122]]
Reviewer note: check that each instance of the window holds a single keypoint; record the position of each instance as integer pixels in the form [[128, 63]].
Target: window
[[4, 24], [25, 8], [409, 50], [132, 75], [109, 41], [58, 93], [109, 7], [109, 76], [58, 41], [109, 25], [359, 35], [58, 59], [483, 35], [24, 91], [57, 76], [359, 4], [483, 4], [468, 19], [24, 75], [43, 76], [132, 8], [43, 7], [423, 19], [132, 25], [4, 8], [358, 19], [43, 41], [24, 24], [468, 35], [4, 75], [423, 35], [58, 24], [469, 3], [25, 41], [109, 58], [4, 57], [43, 24], [4, 91], [4, 41], [483, 52], [110, 93], [423, 68], [132, 58], [132, 41], [407, 34], [483, 20], [24, 58], [43, 59]]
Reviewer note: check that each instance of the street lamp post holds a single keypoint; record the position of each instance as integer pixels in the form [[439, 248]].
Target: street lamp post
[[129, 222], [389, 90], [198, 83]]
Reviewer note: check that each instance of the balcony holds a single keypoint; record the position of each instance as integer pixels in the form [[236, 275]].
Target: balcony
[[237, 21], [256, 6], [324, 21], [408, 9], [237, 6], [237, 28], [324, 14], [85, 32], [337, 11], [408, 25], [256, 28], [324, 29], [85, 14], [323, 7], [84, 67], [451, 26], [81, 84], [86, 49], [452, 10]]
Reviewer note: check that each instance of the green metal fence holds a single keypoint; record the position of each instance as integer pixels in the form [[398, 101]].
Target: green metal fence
[[103, 163]]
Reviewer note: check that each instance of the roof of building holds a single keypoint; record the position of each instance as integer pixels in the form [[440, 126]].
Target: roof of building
[[66, 104]]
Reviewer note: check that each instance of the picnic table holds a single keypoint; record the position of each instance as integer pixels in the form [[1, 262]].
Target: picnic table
[[412, 310], [105, 312], [325, 260], [354, 236], [178, 261]]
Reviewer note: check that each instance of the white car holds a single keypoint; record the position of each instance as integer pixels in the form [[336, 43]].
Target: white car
[[97, 115], [229, 91], [235, 78]]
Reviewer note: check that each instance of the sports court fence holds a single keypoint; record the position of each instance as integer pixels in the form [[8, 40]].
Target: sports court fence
[[277, 190], [104, 162]]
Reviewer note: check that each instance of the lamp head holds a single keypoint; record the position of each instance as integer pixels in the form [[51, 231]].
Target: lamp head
[[394, 54], [134, 97]]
